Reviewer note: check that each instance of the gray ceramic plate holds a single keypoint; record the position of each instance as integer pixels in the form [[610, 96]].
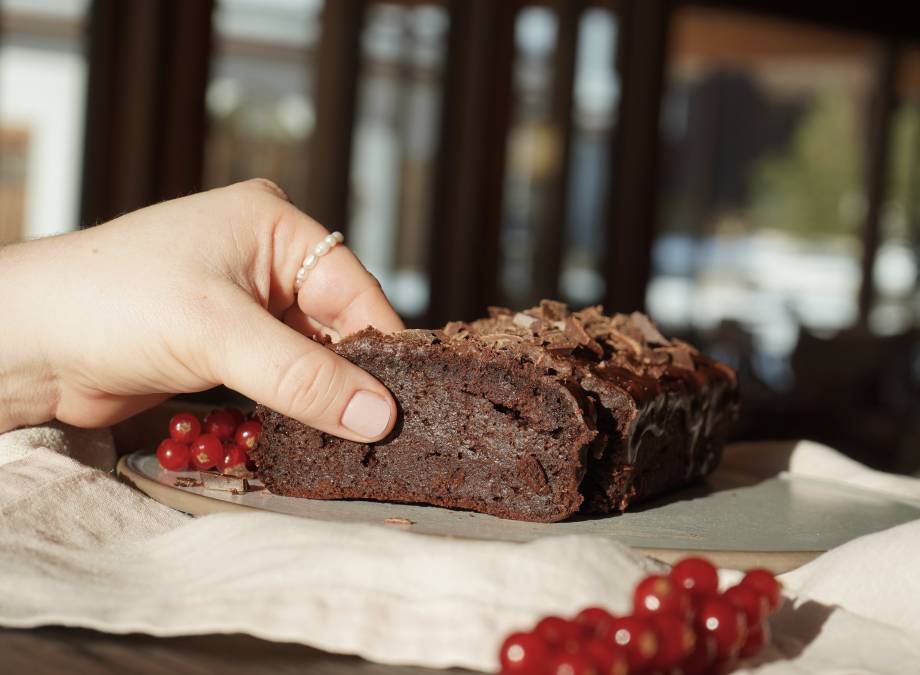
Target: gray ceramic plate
[[734, 518]]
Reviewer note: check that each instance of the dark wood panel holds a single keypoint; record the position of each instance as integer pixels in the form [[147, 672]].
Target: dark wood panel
[[470, 171], [895, 19], [338, 62], [144, 139], [53, 650], [878, 138], [633, 194]]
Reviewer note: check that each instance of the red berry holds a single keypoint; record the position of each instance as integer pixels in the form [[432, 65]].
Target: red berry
[[559, 633], [234, 455], [523, 653], [757, 637], [697, 575], [676, 641], [184, 427], [657, 593], [596, 620], [207, 451], [702, 657], [764, 582], [755, 606], [607, 658], [725, 622], [236, 414], [565, 663], [247, 434], [638, 639], [173, 455], [220, 423]]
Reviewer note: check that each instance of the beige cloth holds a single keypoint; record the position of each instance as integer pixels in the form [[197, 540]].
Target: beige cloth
[[78, 548]]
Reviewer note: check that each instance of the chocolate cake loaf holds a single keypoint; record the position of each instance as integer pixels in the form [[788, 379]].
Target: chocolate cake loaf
[[532, 415]]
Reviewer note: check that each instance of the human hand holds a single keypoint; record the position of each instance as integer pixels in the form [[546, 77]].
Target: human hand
[[183, 296]]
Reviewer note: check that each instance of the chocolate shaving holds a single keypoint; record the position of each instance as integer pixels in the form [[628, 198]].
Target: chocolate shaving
[[576, 331], [186, 482], [648, 330], [216, 481], [524, 321], [398, 521], [553, 310], [238, 471], [454, 328], [681, 358]]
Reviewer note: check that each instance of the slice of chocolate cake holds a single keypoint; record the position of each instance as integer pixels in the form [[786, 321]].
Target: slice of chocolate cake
[[530, 415]]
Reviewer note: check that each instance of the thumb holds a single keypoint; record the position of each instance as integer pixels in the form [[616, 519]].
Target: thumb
[[275, 365]]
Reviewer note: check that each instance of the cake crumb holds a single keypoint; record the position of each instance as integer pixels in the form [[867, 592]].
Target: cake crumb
[[398, 521]]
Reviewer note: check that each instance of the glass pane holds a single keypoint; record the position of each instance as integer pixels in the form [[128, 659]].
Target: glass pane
[[260, 97], [764, 135], [533, 153], [394, 147], [597, 93], [896, 299], [43, 74]]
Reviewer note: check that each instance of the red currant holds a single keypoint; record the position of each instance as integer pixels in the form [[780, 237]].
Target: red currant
[[220, 423], [173, 455], [637, 638], [596, 620], [607, 657], [559, 633], [247, 434], [702, 657], [236, 414], [234, 455], [184, 427], [207, 451], [725, 622], [697, 575], [657, 593], [523, 653], [565, 663], [757, 637], [764, 582], [676, 641], [754, 605]]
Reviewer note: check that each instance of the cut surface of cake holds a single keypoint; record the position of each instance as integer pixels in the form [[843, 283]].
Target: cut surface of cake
[[532, 415]]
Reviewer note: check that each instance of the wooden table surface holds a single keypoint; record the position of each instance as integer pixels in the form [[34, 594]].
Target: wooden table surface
[[55, 650]]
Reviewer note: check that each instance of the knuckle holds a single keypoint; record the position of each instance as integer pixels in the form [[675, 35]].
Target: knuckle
[[268, 185], [311, 385]]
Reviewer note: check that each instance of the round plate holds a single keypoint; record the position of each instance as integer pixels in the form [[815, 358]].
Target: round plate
[[736, 519]]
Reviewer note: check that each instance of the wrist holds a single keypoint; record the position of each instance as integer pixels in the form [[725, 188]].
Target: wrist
[[28, 387]]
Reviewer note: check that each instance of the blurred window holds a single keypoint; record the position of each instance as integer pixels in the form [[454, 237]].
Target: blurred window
[[394, 146], [533, 153], [896, 306], [762, 205], [596, 95], [260, 96], [43, 74]]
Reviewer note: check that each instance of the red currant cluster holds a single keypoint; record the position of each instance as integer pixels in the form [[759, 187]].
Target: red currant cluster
[[225, 444], [680, 625]]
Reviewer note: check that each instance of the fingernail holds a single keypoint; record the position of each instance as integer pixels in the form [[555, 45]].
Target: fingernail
[[367, 414]]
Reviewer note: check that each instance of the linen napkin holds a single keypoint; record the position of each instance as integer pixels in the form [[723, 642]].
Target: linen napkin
[[77, 548]]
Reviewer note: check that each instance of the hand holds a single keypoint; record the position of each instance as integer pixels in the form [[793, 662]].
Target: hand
[[183, 296]]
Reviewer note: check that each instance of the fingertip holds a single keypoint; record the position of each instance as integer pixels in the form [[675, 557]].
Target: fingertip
[[369, 414]]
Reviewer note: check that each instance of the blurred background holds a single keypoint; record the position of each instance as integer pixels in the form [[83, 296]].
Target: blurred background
[[747, 172]]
